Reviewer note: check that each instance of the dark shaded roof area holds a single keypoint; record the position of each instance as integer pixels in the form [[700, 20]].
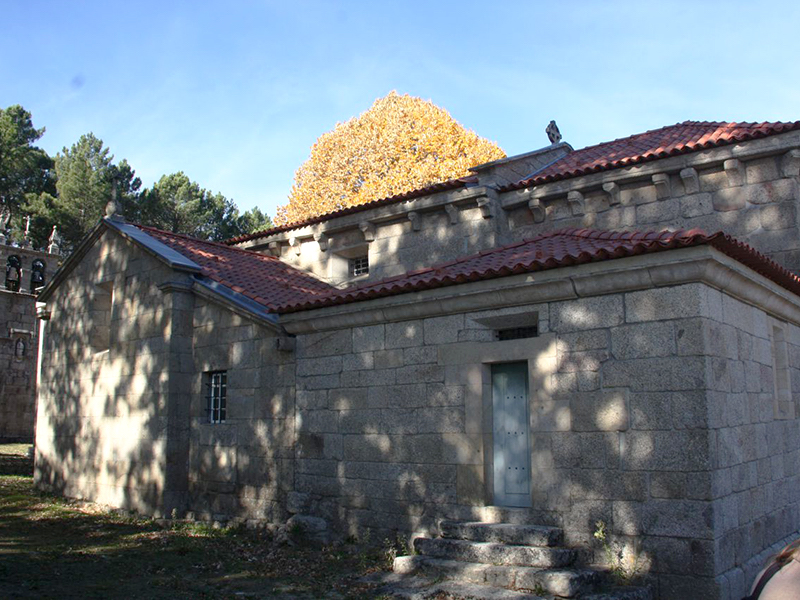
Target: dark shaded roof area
[[261, 278], [682, 138], [562, 248], [452, 184]]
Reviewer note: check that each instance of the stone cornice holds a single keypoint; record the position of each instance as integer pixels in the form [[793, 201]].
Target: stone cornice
[[376, 216], [675, 267], [704, 159]]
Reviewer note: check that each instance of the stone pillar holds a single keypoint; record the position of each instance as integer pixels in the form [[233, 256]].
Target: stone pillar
[[180, 366]]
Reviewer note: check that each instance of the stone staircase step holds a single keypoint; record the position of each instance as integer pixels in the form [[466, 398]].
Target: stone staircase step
[[415, 587], [623, 593], [493, 553], [562, 583], [506, 533], [504, 514]]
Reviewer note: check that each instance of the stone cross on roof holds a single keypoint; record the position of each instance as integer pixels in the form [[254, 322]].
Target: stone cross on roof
[[553, 134]]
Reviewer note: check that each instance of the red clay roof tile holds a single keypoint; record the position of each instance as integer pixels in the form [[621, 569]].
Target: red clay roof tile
[[551, 251], [261, 278], [689, 136]]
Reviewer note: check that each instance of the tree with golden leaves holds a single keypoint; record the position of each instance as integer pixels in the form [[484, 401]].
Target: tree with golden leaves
[[400, 144]]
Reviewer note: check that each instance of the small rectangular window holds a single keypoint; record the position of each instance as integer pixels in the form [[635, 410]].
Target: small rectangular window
[[217, 384], [517, 333], [359, 266]]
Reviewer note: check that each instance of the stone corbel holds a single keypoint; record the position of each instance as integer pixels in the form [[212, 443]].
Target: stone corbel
[[42, 312], [663, 187], [691, 183], [274, 249], [322, 240], [612, 189], [487, 207], [452, 212], [285, 343], [734, 169], [415, 220], [295, 243], [576, 203], [368, 229], [537, 210], [790, 163]]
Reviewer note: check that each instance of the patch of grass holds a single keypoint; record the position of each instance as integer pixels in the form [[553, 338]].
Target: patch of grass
[[56, 548], [14, 459]]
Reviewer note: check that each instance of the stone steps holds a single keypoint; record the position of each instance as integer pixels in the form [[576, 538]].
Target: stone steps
[[493, 553], [503, 533], [564, 583], [517, 558]]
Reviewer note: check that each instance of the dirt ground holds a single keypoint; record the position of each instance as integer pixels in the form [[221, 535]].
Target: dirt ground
[[54, 548]]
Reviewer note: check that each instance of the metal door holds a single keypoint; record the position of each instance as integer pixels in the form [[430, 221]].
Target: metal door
[[512, 456]]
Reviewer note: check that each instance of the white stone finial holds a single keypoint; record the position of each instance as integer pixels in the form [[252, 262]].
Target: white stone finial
[[26, 236], [112, 208], [54, 241]]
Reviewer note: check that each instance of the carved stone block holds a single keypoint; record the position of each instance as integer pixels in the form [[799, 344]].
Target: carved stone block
[[734, 169], [663, 186], [691, 183], [576, 203], [612, 189]]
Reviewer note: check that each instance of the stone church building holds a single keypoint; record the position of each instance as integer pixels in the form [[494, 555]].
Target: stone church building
[[26, 270], [564, 337]]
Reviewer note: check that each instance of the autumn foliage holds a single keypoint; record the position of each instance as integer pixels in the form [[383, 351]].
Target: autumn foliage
[[400, 144]]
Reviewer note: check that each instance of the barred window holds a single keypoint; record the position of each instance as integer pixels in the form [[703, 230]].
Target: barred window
[[359, 265], [217, 386]]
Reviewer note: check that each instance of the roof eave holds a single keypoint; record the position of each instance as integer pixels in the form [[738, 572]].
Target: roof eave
[[702, 263], [130, 232]]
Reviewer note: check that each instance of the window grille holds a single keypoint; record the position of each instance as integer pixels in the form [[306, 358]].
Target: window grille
[[217, 385], [517, 333], [359, 266]]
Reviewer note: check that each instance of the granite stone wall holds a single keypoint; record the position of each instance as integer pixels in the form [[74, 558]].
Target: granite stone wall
[[17, 372], [242, 468], [647, 409], [103, 412], [750, 191], [755, 201]]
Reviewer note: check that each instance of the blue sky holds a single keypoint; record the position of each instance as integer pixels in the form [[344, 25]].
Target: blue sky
[[234, 94]]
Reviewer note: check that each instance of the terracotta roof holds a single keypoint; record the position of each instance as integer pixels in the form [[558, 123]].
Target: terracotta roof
[[261, 278], [434, 188], [550, 251], [682, 138]]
